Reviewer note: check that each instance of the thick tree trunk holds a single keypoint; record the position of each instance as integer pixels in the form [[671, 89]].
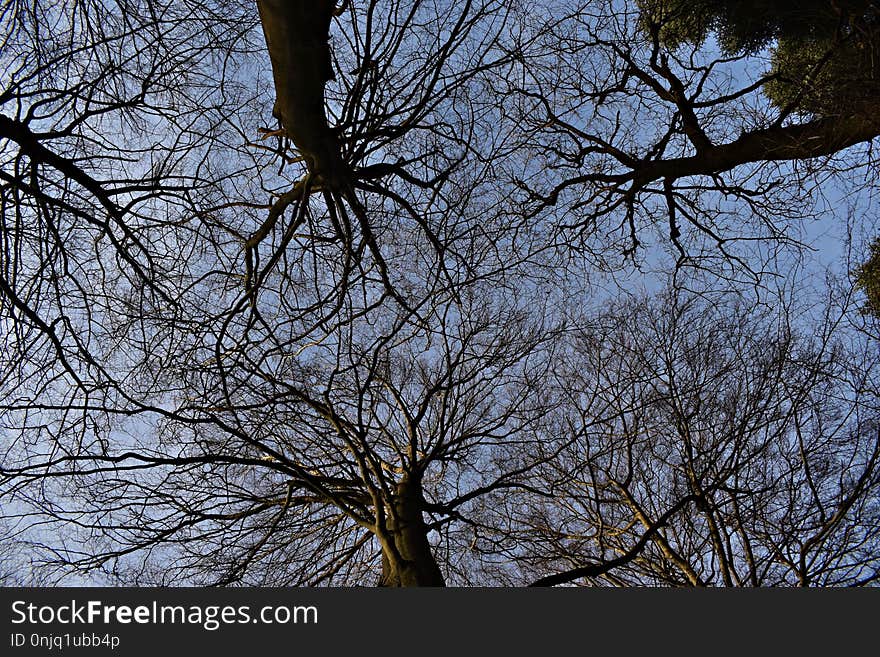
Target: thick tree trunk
[[298, 38], [407, 559]]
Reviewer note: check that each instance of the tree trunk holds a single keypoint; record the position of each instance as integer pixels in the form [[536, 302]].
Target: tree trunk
[[298, 38], [407, 559]]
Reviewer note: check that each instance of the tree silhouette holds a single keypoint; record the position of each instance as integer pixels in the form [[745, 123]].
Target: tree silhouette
[[298, 294]]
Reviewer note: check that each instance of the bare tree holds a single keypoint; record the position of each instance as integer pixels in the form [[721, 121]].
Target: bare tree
[[311, 349], [715, 444], [641, 139]]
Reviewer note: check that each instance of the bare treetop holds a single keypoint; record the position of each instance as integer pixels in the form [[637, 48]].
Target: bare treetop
[[304, 293]]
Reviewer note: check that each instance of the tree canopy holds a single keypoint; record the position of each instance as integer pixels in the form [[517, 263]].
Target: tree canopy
[[822, 52], [868, 278], [423, 293]]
